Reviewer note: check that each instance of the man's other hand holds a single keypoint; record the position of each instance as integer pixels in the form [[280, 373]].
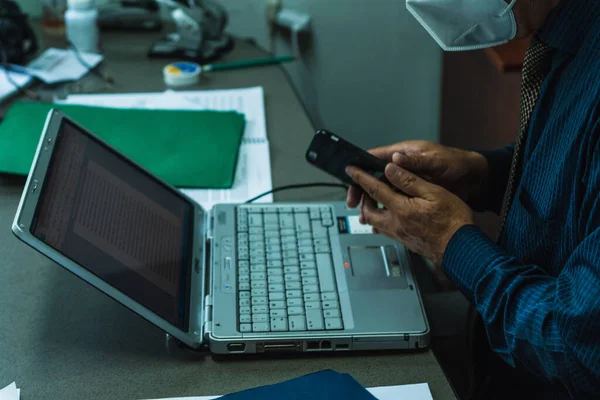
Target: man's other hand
[[423, 217]]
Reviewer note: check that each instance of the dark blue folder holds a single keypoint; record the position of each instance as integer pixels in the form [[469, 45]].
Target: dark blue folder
[[325, 385]]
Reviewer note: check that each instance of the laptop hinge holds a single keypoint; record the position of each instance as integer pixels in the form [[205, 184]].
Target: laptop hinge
[[208, 307]]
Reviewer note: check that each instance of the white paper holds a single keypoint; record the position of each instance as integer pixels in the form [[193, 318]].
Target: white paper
[[419, 391], [57, 65], [247, 101], [252, 178], [7, 87], [253, 173], [10, 392]]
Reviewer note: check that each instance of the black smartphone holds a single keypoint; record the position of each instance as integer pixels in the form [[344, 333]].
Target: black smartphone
[[332, 154]]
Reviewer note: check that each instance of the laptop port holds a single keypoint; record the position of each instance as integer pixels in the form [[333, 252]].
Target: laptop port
[[342, 347], [282, 346], [326, 345], [236, 347], [312, 345]]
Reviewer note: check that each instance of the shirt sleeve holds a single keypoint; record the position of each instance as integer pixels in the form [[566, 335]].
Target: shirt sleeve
[[544, 323], [499, 162]]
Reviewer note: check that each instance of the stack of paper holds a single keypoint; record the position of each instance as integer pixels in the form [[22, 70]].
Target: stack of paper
[[12, 85], [253, 174], [11, 392]]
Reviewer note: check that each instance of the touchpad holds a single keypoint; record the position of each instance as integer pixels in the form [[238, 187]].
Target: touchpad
[[376, 267]]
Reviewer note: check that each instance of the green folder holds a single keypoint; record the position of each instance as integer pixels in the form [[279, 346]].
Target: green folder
[[196, 149]]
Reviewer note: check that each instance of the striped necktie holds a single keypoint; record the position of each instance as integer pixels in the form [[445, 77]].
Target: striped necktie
[[536, 66]]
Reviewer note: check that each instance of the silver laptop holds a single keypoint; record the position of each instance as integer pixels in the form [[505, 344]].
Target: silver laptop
[[236, 279]]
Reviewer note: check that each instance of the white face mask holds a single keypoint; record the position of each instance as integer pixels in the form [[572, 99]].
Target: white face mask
[[466, 24]]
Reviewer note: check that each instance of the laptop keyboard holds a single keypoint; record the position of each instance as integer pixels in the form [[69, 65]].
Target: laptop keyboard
[[285, 271]]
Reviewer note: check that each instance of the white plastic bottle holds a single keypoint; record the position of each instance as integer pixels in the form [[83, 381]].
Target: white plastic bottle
[[81, 22]]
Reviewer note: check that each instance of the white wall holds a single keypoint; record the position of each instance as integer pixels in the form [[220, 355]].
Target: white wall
[[372, 74]]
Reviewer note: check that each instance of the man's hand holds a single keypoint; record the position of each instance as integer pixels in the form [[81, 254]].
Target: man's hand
[[462, 172], [423, 217]]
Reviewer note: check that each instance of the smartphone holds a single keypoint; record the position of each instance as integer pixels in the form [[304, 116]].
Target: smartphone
[[332, 154]]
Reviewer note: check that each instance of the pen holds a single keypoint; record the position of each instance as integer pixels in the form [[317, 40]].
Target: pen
[[247, 63]]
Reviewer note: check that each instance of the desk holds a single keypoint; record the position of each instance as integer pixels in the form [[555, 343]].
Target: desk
[[62, 339]]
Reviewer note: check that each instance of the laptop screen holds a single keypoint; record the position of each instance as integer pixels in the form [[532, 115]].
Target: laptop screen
[[118, 222]]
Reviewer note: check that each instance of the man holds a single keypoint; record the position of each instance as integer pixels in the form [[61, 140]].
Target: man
[[536, 289]]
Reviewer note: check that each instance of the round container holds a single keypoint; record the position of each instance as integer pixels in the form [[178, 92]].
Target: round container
[[181, 74], [81, 23]]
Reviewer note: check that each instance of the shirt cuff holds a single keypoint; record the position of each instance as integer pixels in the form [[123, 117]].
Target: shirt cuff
[[468, 254]]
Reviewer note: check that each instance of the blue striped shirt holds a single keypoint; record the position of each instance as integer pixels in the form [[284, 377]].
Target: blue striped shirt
[[538, 290]]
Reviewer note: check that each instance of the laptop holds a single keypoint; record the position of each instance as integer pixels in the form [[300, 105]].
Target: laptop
[[240, 278]]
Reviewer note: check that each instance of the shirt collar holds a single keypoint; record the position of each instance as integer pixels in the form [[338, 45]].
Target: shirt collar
[[569, 23]]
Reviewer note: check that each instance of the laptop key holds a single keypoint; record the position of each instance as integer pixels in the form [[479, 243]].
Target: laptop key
[[308, 265], [295, 311], [292, 277], [322, 249], [261, 327], [333, 323], [332, 313], [244, 271], [260, 318], [288, 239], [254, 230], [310, 281], [297, 322], [272, 241], [276, 296], [255, 220], [314, 213], [275, 279], [244, 302], [245, 310], [302, 222], [259, 301], [244, 295], [308, 273], [245, 318], [330, 304], [274, 255], [286, 220], [293, 294], [274, 264], [278, 313], [312, 305], [277, 304], [271, 227], [291, 285], [307, 257], [279, 324], [311, 297], [275, 272], [257, 268], [272, 234], [329, 296], [311, 289], [295, 303], [289, 246], [245, 328], [314, 320], [258, 292], [291, 270], [244, 278], [300, 209], [275, 287], [260, 309], [258, 276], [259, 285], [271, 219], [244, 286], [304, 235]]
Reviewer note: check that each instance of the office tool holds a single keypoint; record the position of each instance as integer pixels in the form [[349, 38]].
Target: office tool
[[17, 40], [187, 149], [200, 35], [10, 84], [81, 25], [11, 392], [253, 174], [247, 63], [130, 15], [181, 74], [57, 65], [416, 391], [236, 279]]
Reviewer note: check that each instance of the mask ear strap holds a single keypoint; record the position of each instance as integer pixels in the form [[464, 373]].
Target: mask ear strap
[[510, 6]]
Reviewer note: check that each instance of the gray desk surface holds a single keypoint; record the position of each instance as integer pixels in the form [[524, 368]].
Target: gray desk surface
[[62, 339]]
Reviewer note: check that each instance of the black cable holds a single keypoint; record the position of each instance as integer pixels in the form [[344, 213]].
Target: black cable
[[297, 186]]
